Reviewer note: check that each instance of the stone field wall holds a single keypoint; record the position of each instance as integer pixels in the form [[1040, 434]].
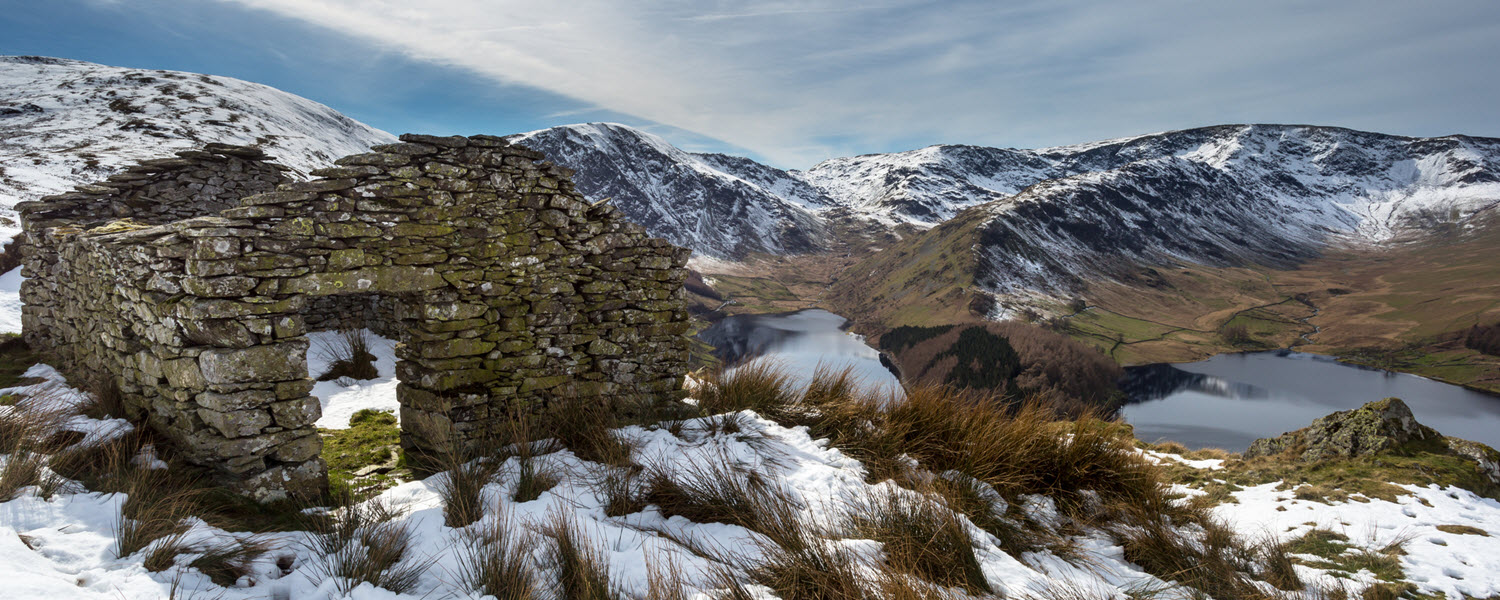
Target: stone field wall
[[507, 291]]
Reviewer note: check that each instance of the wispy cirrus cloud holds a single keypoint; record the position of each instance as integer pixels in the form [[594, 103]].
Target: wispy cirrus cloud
[[800, 81]]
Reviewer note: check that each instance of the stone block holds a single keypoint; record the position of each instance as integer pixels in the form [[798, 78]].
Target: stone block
[[266, 363], [236, 424]]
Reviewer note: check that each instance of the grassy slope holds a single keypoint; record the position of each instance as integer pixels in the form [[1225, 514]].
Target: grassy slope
[[1399, 307], [922, 280]]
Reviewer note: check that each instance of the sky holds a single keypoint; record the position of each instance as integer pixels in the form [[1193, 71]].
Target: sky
[[793, 83]]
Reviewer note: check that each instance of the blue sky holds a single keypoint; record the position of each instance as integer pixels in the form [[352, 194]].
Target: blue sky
[[792, 83]]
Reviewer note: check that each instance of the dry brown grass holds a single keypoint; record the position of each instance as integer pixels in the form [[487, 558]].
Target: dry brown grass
[[1088, 465], [719, 491], [586, 427], [495, 560], [761, 386], [581, 569], [363, 542], [462, 488], [534, 478], [227, 561], [920, 536]]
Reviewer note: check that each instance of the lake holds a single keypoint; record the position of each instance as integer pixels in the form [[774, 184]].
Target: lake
[[1230, 400], [1224, 402], [798, 342]]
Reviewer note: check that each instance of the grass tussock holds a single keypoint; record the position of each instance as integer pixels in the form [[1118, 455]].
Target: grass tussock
[[582, 571], [920, 536], [495, 560], [759, 385], [157, 503], [803, 565], [621, 492], [1276, 567], [586, 426], [363, 543], [664, 579], [227, 561], [719, 491], [462, 488], [347, 355], [534, 477], [989, 449]]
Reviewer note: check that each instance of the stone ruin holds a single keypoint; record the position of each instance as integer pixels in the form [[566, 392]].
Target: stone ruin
[[190, 284]]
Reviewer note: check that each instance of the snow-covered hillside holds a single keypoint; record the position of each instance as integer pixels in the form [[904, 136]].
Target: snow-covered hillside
[[1233, 193], [67, 122], [722, 206], [1383, 182]]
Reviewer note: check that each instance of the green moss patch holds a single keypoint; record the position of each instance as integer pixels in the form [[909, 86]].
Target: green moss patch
[[371, 439]]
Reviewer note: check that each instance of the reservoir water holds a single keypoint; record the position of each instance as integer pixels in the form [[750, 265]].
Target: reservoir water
[[799, 342], [1224, 402], [1230, 400]]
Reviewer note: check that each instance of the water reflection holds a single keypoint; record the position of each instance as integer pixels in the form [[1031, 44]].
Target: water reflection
[[798, 341], [1230, 400]]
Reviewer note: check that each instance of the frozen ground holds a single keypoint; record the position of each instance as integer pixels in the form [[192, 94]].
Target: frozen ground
[[66, 552]]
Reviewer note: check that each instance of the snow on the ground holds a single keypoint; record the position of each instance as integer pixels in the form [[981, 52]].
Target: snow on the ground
[[10, 301], [342, 398], [1457, 565], [53, 395], [67, 552]]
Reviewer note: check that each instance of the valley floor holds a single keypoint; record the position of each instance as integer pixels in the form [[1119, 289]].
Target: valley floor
[[1402, 308]]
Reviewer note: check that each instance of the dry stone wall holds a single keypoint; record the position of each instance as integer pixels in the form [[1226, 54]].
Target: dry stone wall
[[507, 291]]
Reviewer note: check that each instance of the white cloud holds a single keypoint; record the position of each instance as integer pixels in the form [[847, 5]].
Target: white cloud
[[801, 81]]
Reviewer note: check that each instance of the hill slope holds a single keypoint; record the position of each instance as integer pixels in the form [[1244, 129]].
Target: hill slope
[[1223, 196], [67, 122], [722, 206]]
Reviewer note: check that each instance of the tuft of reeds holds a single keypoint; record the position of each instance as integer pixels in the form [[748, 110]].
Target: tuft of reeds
[[718, 491], [582, 571], [664, 579], [533, 479], [347, 355], [495, 560], [760, 385], [156, 504], [920, 536], [586, 426], [621, 492], [226, 561], [1276, 568], [363, 542], [462, 488]]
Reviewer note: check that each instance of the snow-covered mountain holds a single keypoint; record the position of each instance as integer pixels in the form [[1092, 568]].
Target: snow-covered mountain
[[1234, 194], [1383, 182], [67, 122], [719, 205]]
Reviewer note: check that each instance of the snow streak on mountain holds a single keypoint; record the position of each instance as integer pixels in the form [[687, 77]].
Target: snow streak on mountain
[[66, 122], [721, 206]]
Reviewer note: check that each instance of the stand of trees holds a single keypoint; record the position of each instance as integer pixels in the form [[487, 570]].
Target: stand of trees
[[1013, 358], [1484, 338]]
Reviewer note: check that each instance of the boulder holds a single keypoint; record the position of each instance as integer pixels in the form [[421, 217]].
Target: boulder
[[1370, 429]]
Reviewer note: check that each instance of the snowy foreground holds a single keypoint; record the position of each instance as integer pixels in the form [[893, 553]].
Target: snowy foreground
[[62, 547]]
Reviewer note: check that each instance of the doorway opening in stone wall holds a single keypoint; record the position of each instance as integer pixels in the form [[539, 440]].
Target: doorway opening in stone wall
[[351, 357]]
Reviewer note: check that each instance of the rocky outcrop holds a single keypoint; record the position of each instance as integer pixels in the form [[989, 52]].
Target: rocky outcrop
[[507, 291], [1376, 428], [1370, 429]]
